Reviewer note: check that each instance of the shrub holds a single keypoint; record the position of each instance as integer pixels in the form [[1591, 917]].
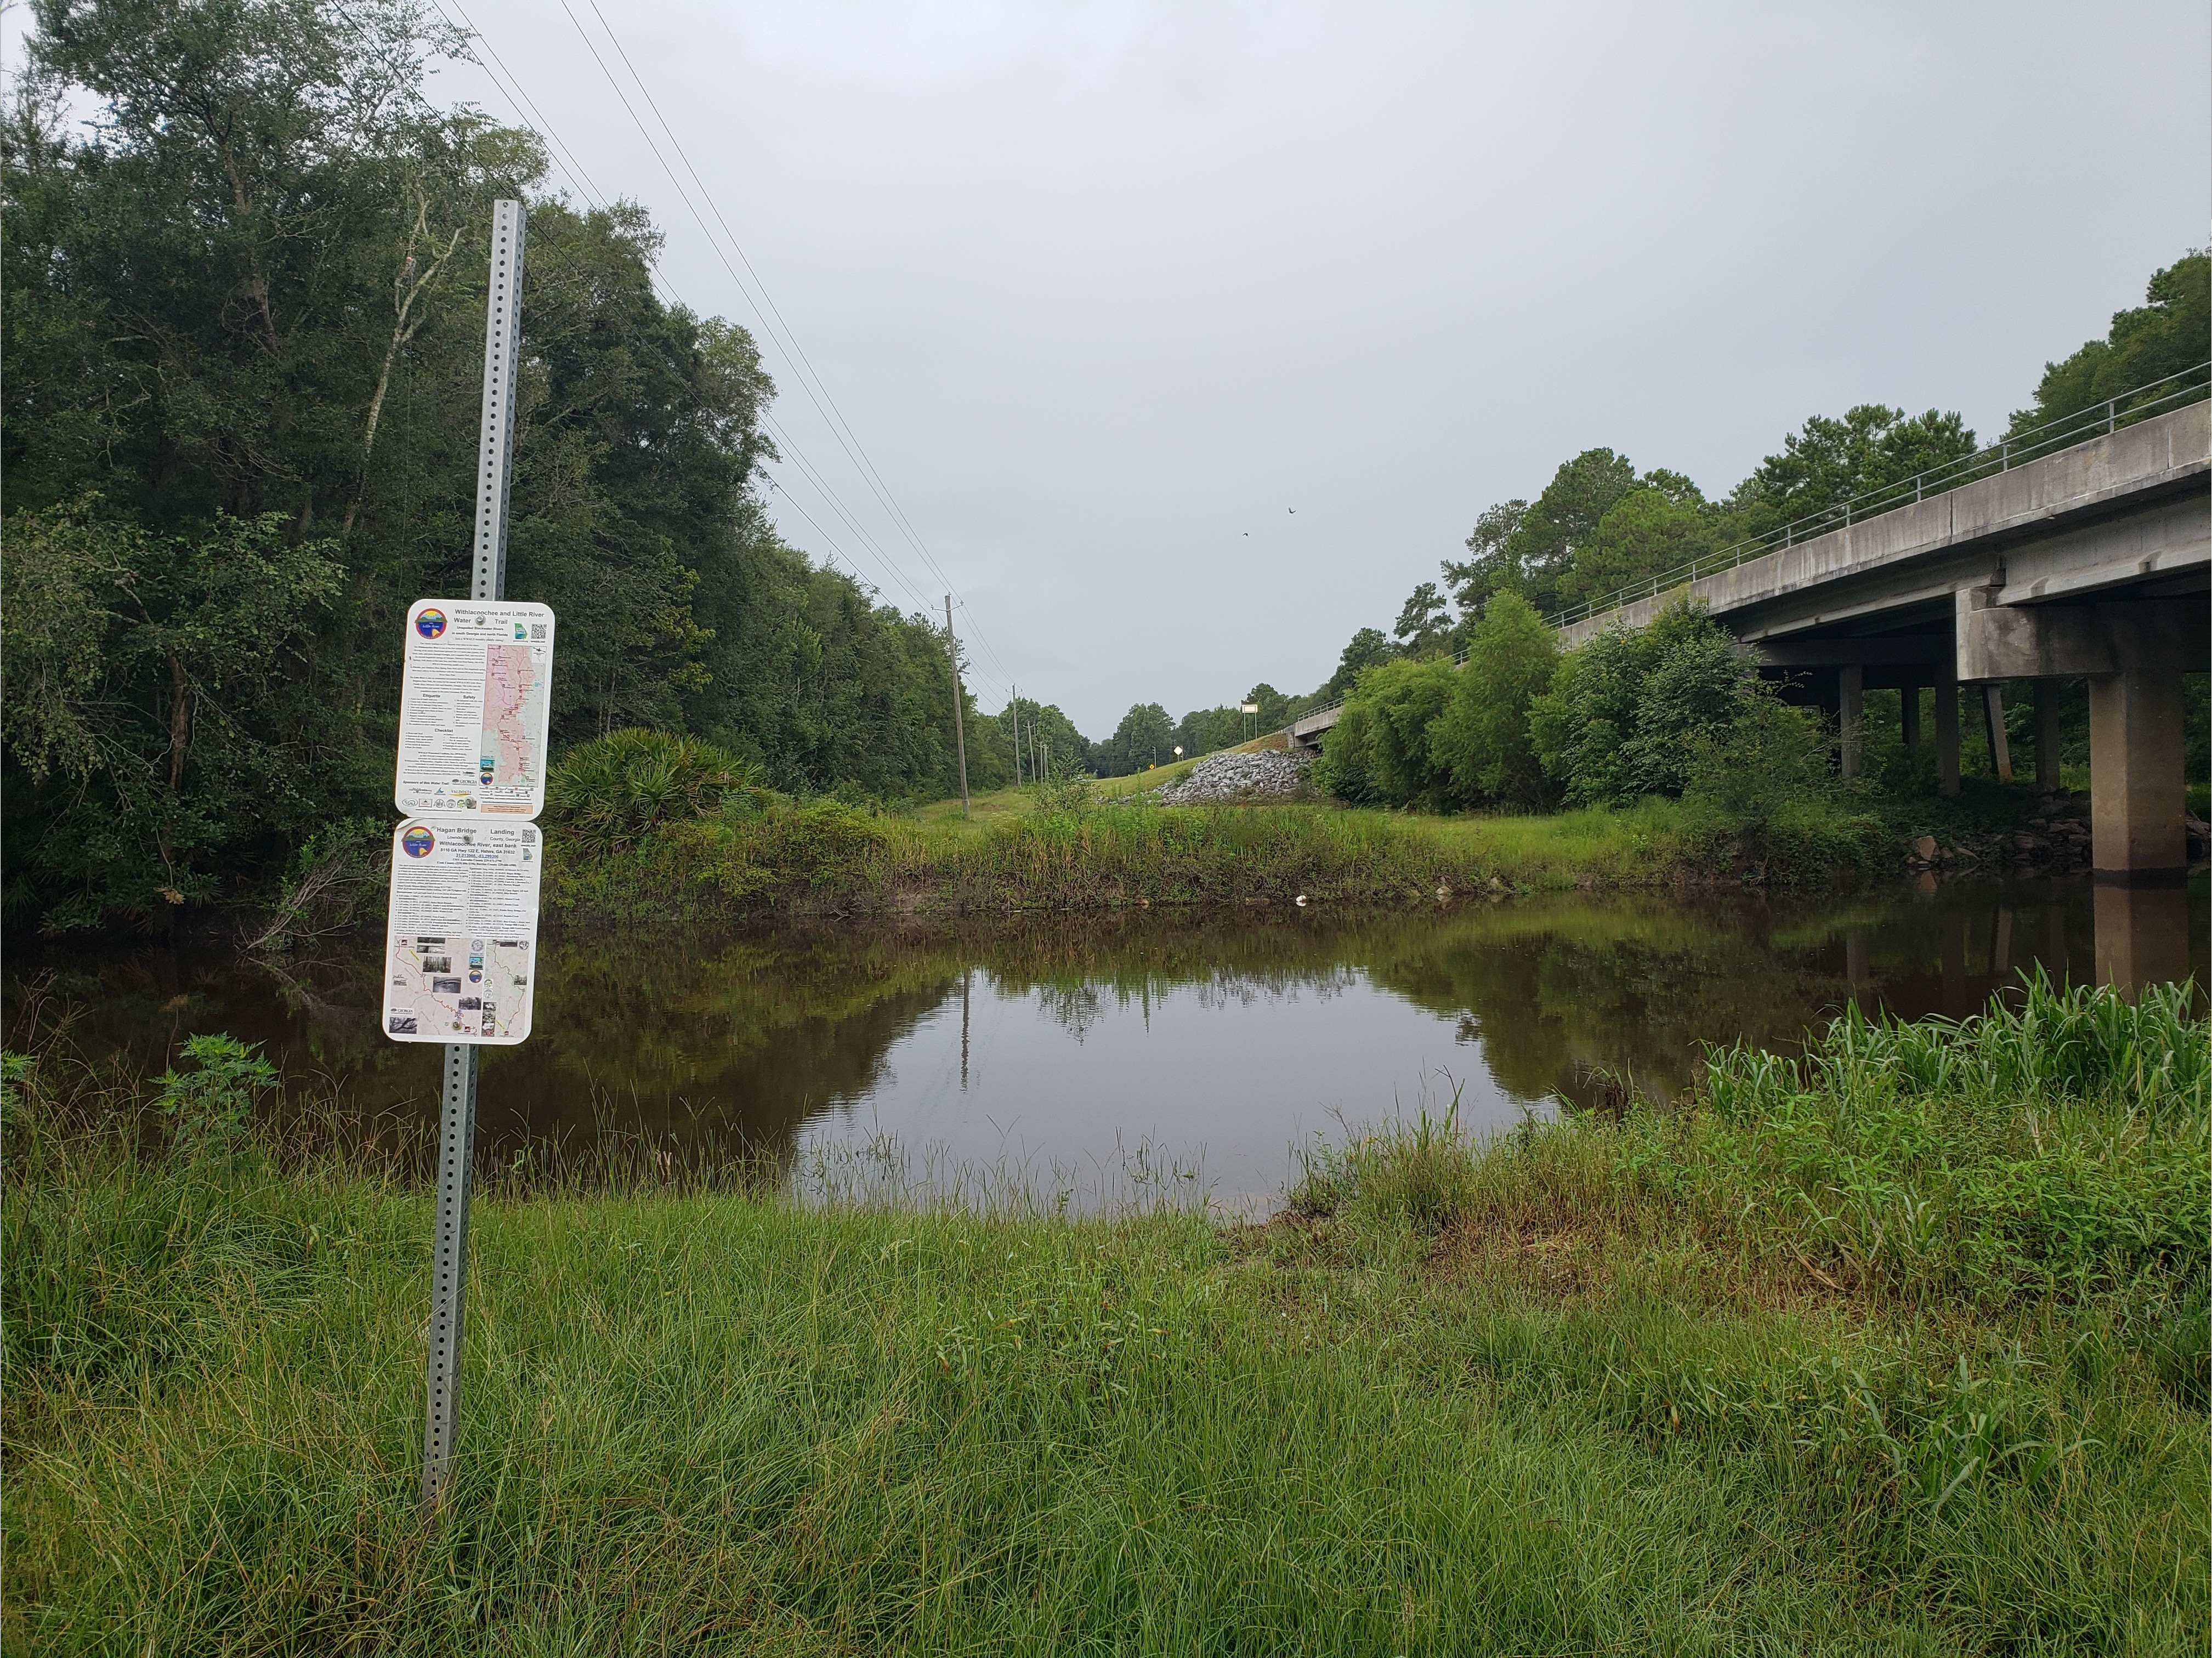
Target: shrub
[[210, 1109], [1379, 751], [1482, 740], [607, 795], [1625, 709]]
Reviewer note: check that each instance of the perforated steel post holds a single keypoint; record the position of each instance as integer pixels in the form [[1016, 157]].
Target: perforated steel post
[[457, 1126]]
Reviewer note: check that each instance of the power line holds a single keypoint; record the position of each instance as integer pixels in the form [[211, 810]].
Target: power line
[[889, 564], [509, 83], [780, 330], [765, 310]]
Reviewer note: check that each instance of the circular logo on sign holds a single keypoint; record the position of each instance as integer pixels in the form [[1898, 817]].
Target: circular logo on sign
[[430, 624], [417, 841]]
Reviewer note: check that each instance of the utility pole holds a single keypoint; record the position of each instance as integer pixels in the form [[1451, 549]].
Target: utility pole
[[959, 724]]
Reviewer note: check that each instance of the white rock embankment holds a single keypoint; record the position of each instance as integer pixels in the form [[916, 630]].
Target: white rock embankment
[[1225, 779]]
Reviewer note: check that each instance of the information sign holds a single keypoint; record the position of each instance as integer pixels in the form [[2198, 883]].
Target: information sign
[[473, 700], [461, 937]]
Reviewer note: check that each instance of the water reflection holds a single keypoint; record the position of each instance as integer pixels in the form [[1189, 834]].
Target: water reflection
[[1063, 1044]]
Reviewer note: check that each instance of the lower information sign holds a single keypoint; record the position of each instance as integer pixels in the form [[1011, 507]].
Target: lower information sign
[[461, 939]]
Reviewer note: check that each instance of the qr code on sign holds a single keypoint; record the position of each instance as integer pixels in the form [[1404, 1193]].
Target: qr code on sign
[[537, 630]]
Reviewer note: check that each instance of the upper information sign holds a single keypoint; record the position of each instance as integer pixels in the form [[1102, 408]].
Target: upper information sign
[[461, 932], [473, 701]]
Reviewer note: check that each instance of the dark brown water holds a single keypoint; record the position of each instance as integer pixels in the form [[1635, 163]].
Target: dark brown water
[[1083, 1056]]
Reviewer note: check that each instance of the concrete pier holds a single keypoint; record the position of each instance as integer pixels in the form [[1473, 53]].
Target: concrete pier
[[2135, 773], [2046, 734], [1946, 731], [1850, 709]]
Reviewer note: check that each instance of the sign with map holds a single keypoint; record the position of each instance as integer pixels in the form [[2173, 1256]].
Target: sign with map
[[473, 700], [461, 933]]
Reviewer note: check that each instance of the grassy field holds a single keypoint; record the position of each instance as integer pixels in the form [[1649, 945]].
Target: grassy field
[[1902, 1349]]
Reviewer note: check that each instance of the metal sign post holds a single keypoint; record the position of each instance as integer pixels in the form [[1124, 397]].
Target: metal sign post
[[457, 1125]]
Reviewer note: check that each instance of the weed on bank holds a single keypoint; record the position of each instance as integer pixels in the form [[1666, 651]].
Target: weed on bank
[[1898, 1346]]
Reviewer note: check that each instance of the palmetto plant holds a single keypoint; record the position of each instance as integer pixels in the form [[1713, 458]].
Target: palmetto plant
[[606, 795]]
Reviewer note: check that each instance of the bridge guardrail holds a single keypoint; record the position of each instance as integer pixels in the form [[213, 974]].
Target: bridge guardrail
[[2168, 392]]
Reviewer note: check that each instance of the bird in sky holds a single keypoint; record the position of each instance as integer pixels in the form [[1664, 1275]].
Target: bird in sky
[[1292, 509]]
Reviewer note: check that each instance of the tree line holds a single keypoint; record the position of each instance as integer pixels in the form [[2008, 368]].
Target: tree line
[[241, 354], [1634, 713]]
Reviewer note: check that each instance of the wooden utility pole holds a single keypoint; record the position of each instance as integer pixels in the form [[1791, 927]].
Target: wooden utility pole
[[959, 725]]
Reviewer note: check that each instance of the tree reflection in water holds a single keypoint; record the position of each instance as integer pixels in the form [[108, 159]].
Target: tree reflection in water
[[743, 1041]]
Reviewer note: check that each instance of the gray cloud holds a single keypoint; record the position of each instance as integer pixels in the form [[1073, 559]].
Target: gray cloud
[[1105, 287]]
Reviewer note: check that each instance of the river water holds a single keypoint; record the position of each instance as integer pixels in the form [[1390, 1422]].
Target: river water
[[1105, 1060]]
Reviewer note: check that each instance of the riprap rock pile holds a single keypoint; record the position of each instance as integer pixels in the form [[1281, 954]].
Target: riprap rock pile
[[1270, 774]]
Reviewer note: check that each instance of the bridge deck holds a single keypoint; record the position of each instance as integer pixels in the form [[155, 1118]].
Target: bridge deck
[[2119, 510]]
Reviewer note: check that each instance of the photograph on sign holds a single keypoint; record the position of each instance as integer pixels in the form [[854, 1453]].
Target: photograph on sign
[[461, 936], [474, 696]]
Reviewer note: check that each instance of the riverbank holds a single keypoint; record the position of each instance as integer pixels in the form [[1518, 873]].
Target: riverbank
[[823, 858], [1903, 1350]]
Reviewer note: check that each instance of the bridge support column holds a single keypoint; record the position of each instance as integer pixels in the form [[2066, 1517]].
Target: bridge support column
[[1946, 731], [2133, 653], [2135, 772], [1850, 708], [2046, 735], [1993, 723]]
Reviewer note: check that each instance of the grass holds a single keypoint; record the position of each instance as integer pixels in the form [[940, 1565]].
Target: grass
[[822, 858], [1897, 1349], [648, 826]]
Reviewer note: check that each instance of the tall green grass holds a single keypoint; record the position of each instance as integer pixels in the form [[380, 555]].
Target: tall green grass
[[820, 857], [647, 826], [1638, 1381]]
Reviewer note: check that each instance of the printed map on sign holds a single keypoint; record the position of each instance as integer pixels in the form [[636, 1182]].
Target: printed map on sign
[[513, 718], [447, 988], [461, 940], [474, 692]]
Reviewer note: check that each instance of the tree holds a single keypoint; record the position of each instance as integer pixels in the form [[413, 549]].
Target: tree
[[1043, 735], [254, 295], [1379, 749], [1830, 462], [1482, 739], [1626, 710], [153, 702], [1648, 532], [1367, 649], [1424, 621], [1203, 731], [2165, 336], [1145, 736], [1486, 568], [1274, 707], [1540, 551]]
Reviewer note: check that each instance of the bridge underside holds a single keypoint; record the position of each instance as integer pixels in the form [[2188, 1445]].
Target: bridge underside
[[2094, 564], [2131, 640]]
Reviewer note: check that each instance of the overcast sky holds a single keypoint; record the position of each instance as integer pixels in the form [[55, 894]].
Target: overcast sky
[[1105, 290]]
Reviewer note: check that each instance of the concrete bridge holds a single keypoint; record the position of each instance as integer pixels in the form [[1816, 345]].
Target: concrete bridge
[[2094, 562], [1306, 731]]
